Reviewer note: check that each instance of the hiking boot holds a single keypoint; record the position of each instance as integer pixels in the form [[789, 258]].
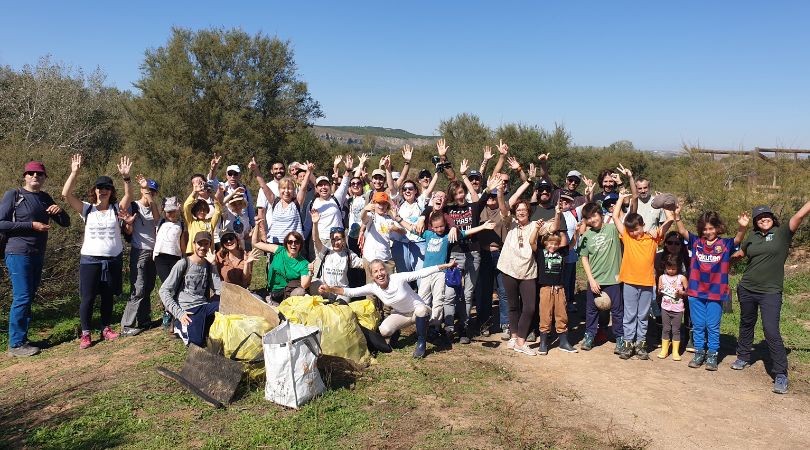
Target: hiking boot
[[587, 342], [108, 334], [485, 332], [698, 359], [531, 337], [619, 346], [85, 341], [571, 307], [601, 336], [740, 364], [780, 384], [421, 332], [641, 350], [711, 361], [543, 349], [393, 340], [129, 331], [627, 350], [166, 320], [24, 350], [565, 345], [525, 349]]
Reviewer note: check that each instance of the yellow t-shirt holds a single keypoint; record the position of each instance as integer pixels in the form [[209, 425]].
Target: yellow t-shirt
[[194, 226], [638, 259]]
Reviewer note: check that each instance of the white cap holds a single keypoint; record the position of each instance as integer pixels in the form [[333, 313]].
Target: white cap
[[574, 173], [321, 178], [395, 175], [233, 167]]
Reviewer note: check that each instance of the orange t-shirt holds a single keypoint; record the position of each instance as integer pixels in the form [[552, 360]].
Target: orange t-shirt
[[638, 260]]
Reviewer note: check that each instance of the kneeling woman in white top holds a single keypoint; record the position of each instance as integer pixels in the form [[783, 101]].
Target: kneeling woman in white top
[[394, 291]]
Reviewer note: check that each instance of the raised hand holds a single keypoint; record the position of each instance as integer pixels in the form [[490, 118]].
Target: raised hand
[[532, 170], [543, 156], [407, 152], [336, 162], [588, 182], [361, 161], [348, 161], [493, 182], [513, 163], [215, 162], [625, 171], [310, 167], [385, 162], [75, 162], [465, 164], [487, 153], [441, 147], [558, 208], [316, 216], [124, 215], [503, 148], [253, 166], [253, 256], [616, 177], [124, 165], [489, 225], [743, 220]]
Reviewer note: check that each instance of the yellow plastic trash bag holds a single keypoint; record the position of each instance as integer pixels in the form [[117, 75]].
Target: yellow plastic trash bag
[[237, 336], [367, 314], [340, 332]]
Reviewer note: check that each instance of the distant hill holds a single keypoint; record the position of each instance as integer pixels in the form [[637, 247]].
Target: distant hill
[[385, 138]]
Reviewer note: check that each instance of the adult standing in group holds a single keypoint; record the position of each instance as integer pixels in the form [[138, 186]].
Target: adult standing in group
[[25, 215], [570, 186], [233, 181], [277, 171], [142, 272], [100, 266], [653, 217], [610, 182], [409, 249], [761, 286]]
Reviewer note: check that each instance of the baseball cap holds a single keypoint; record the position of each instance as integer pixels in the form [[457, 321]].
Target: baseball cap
[[760, 210], [474, 173], [610, 199], [378, 172], [395, 175], [153, 185], [567, 196], [227, 231], [202, 236], [425, 173], [544, 184], [34, 166], [171, 204], [321, 178], [381, 197], [234, 168], [574, 173], [104, 181]]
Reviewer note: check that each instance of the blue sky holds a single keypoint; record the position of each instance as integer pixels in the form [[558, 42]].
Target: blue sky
[[725, 74]]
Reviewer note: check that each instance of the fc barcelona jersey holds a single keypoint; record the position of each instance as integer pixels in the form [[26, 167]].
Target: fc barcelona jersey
[[708, 270]]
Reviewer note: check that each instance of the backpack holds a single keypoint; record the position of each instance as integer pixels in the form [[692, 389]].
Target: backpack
[[319, 272], [306, 224], [18, 198]]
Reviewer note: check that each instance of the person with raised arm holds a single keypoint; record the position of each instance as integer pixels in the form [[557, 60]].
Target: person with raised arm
[[409, 249], [100, 265], [25, 217], [394, 291], [196, 211], [289, 273], [333, 262], [761, 286]]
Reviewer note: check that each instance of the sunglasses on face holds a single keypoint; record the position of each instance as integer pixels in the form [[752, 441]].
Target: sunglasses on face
[[231, 173], [409, 188], [39, 174], [336, 230], [355, 183], [228, 240], [546, 190], [104, 188], [573, 180], [293, 242], [378, 178]]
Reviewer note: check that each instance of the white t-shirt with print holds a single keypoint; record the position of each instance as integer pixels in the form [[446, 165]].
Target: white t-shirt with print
[[102, 232], [333, 268], [411, 212], [377, 243]]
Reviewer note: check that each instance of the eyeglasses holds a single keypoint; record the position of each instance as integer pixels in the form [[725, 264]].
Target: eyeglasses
[[409, 188], [232, 173], [293, 242], [35, 173]]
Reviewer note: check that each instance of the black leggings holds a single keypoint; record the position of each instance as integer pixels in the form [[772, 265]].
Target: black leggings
[[671, 325], [522, 296], [164, 264], [90, 285]]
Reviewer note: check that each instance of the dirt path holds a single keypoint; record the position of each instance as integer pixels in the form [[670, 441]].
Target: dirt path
[[668, 403]]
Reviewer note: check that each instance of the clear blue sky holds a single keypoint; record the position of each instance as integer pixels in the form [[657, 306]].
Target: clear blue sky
[[733, 74]]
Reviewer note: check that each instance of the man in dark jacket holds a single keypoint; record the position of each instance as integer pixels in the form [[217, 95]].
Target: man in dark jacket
[[25, 215]]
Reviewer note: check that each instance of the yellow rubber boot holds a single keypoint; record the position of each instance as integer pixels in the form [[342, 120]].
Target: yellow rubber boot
[[676, 350], [664, 348]]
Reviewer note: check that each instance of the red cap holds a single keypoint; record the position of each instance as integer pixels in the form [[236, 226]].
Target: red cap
[[381, 197], [34, 166]]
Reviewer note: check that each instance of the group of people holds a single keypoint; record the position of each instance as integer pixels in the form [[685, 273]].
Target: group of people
[[427, 257]]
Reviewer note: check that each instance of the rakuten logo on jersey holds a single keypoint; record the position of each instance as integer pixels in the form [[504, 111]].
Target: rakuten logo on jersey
[[704, 258]]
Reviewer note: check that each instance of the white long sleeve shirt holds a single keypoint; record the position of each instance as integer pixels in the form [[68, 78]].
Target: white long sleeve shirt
[[398, 295]]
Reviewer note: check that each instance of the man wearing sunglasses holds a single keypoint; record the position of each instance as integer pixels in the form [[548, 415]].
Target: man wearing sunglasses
[[570, 186], [233, 181], [25, 215]]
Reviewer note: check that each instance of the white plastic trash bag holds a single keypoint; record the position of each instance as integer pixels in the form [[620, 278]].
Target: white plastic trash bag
[[290, 356]]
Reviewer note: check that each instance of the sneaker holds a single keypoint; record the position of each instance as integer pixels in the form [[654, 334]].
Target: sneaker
[[24, 350], [641, 350], [587, 342], [108, 334], [601, 336], [525, 349], [485, 332], [464, 340], [698, 359], [740, 364], [166, 320], [531, 337], [506, 335], [690, 345], [511, 344], [619, 346], [780, 384], [711, 361], [85, 341], [627, 350], [129, 331]]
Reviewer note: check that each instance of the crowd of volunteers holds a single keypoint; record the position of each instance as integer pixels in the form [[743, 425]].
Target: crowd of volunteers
[[509, 236]]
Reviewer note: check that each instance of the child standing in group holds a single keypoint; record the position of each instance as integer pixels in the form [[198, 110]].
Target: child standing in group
[[672, 285], [195, 211], [550, 263], [708, 281]]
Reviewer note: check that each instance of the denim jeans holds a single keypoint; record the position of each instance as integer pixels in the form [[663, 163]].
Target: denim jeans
[[468, 262], [25, 272], [409, 256], [489, 279], [592, 313]]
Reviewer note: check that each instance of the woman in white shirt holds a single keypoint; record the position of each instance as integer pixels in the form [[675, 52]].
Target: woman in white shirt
[[409, 249], [284, 214], [335, 261], [100, 266]]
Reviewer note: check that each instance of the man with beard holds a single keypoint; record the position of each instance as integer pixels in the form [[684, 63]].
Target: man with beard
[[277, 171]]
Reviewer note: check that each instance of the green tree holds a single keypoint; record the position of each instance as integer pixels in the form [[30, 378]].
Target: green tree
[[221, 91], [466, 136]]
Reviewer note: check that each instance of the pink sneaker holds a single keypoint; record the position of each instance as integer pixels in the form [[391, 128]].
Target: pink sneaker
[[108, 334], [85, 341]]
